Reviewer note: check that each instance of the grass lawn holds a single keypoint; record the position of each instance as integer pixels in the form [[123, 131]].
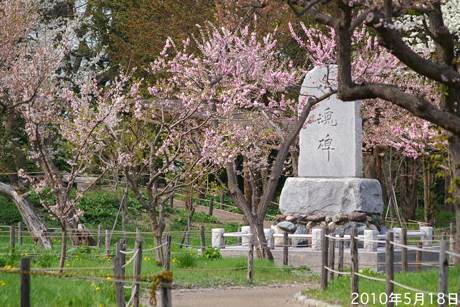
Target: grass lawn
[[190, 271], [372, 292]]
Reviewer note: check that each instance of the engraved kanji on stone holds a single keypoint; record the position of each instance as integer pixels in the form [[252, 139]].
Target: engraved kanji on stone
[[326, 144], [326, 118]]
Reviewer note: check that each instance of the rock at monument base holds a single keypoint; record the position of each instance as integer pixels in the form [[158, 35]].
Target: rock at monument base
[[287, 226], [373, 227], [300, 242], [383, 230], [339, 217], [328, 196], [332, 226], [357, 216], [280, 218], [316, 218], [291, 218], [346, 229], [310, 225]]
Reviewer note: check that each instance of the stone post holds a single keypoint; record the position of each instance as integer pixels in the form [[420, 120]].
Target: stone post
[[217, 238], [428, 238], [316, 240], [397, 235], [245, 240], [268, 232], [370, 235]]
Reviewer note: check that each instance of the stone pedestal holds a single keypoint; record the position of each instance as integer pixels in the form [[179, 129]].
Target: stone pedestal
[[245, 240], [328, 196], [217, 238]]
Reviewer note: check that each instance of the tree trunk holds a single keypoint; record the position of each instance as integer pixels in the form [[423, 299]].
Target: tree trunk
[[188, 196], [379, 152], [78, 233], [427, 192], [36, 228], [295, 162], [158, 238], [369, 165], [454, 148], [63, 247], [408, 187], [262, 248]]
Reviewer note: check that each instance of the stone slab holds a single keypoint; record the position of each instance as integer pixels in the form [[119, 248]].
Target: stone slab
[[331, 146], [328, 196]]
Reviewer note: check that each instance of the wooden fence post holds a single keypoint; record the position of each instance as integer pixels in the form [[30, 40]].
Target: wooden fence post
[[418, 256], [167, 265], [251, 258], [99, 236], [324, 272], [341, 248], [12, 239], [202, 239], [354, 261], [119, 271], [25, 282], [20, 234], [389, 267], [443, 272], [330, 259], [222, 201], [211, 205], [165, 290], [138, 234], [285, 249], [137, 272], [107, 243], [404, 250]]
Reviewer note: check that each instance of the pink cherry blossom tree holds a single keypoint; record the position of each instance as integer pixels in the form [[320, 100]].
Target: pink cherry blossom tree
[[241, 85]]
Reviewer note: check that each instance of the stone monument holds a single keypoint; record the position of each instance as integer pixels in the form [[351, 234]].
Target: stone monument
[[330, 163]]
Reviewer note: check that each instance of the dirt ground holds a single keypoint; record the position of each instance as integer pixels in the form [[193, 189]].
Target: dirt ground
[[281, 295], [222, 215]]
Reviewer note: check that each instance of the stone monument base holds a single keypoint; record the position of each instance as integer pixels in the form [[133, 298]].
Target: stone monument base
[[328, 196]]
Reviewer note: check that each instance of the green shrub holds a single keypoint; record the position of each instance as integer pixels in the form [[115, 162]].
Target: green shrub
[[45, 260], [10, 259], [211, 253], [185, 259]]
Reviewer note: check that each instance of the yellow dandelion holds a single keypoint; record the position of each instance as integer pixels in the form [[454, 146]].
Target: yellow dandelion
[[92, 285], [73, 260], [98, 288], [111, 286], [109, 278], [60, 299], [191, 254], [67, 264], [103, 257], [25, 254], [148, 258], [13, 268], [76, 256], [174, 260]]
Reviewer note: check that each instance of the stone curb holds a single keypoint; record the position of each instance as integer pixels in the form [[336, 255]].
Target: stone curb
[[311, 302]]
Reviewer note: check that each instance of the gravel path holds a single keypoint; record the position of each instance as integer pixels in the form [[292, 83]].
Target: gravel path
[[281, 295]]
